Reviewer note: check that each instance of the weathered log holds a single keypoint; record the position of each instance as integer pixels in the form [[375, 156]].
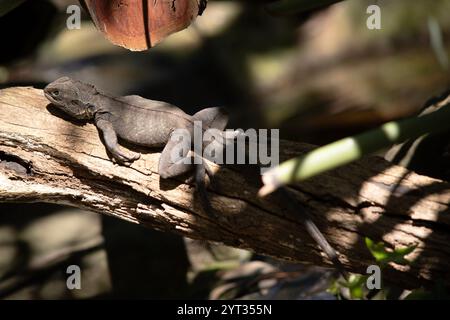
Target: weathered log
[[46, 158]]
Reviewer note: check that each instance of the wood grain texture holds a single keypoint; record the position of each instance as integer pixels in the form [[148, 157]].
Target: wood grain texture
[[141, 24], [49, 159]]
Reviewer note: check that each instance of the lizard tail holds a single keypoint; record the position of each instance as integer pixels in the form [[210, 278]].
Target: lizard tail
[[314, 231]]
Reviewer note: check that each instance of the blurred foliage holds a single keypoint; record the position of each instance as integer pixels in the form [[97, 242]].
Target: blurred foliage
[[384, 256], [355, 286], [317, 76]]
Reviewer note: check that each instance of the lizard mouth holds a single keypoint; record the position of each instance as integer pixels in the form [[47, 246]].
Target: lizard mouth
[[49, 97]]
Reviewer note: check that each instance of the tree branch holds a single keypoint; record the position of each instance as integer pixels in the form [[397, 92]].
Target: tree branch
[[49, 159]]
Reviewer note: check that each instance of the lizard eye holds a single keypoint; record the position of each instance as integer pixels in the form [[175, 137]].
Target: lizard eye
[[55, 93]]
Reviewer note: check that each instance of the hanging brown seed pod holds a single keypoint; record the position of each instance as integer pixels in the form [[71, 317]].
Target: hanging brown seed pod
[[141, 24]]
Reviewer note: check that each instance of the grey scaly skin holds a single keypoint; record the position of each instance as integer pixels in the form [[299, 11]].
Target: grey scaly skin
[[139, 121]]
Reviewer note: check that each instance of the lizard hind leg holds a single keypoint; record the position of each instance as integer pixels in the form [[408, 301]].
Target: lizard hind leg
[[168, 167], [201, 171]]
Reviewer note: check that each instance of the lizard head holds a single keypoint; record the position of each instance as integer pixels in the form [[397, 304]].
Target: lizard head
[[71, 96]]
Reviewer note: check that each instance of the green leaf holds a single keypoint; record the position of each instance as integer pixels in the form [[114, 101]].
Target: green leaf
[[405, 251], [377, 250], [334, 288], [356, 285], [383, 256]]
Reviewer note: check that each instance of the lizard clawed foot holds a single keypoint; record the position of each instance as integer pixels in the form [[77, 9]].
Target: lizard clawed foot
[[125, 158]]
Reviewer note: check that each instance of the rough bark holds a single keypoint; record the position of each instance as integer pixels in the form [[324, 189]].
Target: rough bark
[[47, 158]]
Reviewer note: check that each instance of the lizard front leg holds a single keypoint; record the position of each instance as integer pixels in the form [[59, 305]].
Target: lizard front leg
[[110, 140]]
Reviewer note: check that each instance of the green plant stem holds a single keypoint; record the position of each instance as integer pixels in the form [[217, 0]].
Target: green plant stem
[[349, 149]]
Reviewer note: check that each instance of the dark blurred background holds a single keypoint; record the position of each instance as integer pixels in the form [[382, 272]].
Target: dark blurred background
[[317, 76]]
